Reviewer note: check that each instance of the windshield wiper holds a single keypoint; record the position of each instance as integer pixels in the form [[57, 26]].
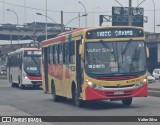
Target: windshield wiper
[[126, 47]]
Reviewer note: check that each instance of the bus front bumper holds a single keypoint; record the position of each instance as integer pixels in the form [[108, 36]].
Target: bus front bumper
[[94, 94], [32, 83]]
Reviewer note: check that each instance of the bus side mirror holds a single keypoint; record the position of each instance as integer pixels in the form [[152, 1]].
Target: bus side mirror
[[147, 52], [81, 50]]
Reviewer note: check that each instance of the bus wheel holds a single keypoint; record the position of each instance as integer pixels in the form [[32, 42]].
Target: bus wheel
[[55, 97], [12, 84], [21, 86], [127, 101], [76, 100]]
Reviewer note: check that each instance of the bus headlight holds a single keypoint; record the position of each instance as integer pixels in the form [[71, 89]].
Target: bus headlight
[[94, 86], [141, 83], [25, 76]]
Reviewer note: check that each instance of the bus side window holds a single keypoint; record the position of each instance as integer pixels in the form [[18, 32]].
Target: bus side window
[[48, 51], [60, 54], [14, 60], [20, 61], [53, 51], [64, 56], [50, 55], [72, 52], [56, 54], [66, 53]]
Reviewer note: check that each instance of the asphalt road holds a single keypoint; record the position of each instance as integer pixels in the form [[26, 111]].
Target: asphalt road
[[37, 103]]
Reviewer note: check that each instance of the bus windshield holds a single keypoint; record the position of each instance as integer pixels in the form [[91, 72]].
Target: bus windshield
[[32, 65], [109, 58]]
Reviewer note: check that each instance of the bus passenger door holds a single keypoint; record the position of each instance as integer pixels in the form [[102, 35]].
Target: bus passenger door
[[78, 68], [45, 64]]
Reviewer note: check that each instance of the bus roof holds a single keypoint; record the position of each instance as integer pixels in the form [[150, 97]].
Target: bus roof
[[22, 49], [62, 36]]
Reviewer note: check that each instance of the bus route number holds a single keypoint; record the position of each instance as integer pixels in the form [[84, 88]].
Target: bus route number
[[104, 33]]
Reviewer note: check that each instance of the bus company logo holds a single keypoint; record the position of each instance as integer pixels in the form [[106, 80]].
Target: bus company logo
[[6, 119]]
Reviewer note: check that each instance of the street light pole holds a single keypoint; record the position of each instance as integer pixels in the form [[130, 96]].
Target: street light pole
[[119, 3], [79, 19], [46, 23], [140, 3], [130, 14], [3, 11], [11, 31], [93, 13], [14, 13], [75, 18], [85, 12], [154, 15], [25, 11], [46, 19]]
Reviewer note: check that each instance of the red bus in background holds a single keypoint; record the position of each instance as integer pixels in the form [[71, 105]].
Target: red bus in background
[[23, 68]]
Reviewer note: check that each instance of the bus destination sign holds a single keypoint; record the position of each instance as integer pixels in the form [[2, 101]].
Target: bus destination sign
[[114, 33], [32, 53]]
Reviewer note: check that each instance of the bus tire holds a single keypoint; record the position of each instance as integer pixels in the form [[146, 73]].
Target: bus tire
[[55, 97], [76, 101], [12, 84], [127, 101], [21, 86]]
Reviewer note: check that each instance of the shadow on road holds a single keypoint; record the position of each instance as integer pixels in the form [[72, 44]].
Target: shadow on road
[[98, 105], [28, 88]]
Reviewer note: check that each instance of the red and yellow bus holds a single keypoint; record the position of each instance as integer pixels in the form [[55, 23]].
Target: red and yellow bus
[[24, 68], [96, 64]]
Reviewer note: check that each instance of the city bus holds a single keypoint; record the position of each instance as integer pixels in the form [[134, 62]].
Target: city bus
[[24, 68], [91, 64]]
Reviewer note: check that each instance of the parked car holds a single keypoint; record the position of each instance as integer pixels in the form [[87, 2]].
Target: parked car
[[156, 73], [151, 79], [3, 70]]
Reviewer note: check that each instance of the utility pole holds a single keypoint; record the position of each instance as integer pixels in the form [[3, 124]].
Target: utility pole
[[154, 16], [11, 40], [46, 21], [62, 27], [79, 20], [130, 13]]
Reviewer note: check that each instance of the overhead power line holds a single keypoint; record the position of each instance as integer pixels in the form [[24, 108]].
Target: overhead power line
[[59, 11]]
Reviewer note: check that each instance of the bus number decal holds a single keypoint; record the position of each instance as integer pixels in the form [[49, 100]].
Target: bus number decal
[[104, 33]]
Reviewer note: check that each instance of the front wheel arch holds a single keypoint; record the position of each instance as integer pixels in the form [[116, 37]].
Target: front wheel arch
[[76, 101]]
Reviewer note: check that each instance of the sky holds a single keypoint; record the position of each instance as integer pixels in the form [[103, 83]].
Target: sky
[[26, 11]]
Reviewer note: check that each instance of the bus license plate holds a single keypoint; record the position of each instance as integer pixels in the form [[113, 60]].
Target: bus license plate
[[119, 93]]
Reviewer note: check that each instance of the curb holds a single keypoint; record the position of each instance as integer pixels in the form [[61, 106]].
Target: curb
[[154, 93], [155, 89], [3, 76]]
